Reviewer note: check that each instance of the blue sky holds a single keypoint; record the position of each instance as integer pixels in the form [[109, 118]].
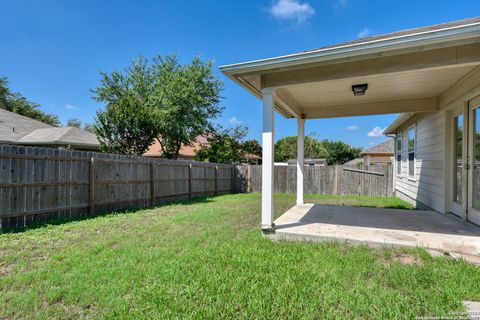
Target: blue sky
[[52, 51]]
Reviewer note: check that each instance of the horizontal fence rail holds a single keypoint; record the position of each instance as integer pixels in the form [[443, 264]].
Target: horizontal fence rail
[[38, 184], [327, 180]]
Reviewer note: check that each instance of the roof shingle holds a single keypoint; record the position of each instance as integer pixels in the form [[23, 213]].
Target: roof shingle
[[386, 147]]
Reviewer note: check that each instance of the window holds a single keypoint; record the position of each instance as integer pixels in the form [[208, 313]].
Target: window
[[399, 154], [412, 133]]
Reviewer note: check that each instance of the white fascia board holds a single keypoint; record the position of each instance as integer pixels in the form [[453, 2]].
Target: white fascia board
[[374, 46], [398, 122]]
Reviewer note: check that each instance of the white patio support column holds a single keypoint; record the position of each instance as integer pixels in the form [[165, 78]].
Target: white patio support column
[[300, 153], [267, 159]]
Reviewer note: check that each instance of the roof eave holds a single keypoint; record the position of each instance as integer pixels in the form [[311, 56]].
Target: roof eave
[[58, 143], [391, 129], [371, 47]]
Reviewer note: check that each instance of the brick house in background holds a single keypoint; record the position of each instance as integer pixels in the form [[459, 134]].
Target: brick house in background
[[185, 153], [380, 153]]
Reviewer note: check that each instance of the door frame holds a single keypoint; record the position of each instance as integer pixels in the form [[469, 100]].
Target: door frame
[[473, 215], [459, 209]]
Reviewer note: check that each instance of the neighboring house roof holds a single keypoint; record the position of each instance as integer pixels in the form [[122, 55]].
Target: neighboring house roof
[[251, 156], [386, 148], [61, 136], [14, 126], [17, 129], [155, 150]]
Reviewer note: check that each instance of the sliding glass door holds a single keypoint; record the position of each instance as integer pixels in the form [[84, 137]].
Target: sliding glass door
[[473, 158]]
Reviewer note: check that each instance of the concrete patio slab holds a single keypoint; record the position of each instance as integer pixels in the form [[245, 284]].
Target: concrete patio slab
[[379, 227], [473, 309]]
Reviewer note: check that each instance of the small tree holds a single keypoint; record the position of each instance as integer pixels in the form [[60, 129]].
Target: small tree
[[338, 152], [15, 102], [253, 147], [88, 127], [225, 146], [74, 122]]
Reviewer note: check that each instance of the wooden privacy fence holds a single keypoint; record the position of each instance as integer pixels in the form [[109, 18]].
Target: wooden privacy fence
[[329, 180], [38, 184]]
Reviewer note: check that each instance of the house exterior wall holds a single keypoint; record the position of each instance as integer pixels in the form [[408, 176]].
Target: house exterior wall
[[378, 158], [432, 184], [427, 187]]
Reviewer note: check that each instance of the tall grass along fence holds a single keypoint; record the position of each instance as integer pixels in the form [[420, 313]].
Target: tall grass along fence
[[328, 180], [38, 184]]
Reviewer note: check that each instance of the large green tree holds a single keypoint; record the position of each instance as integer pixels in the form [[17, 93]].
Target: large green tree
[[286, 148], [175, 103], [15, 102], [126, 126]]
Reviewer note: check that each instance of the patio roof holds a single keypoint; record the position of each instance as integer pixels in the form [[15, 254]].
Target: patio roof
[[412, 71], [406, 71]]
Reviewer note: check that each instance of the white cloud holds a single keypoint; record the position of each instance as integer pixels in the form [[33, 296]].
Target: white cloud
[[376, 132], [71, 107], [365, 32], [234, 121], [352, 128], [291, 10]]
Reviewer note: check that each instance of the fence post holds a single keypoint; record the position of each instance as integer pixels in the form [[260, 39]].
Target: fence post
[[390, 176], [249, 178], [216, 180], [92, 186], [337, 179], [233, 179], [190, 192], [153, 181]]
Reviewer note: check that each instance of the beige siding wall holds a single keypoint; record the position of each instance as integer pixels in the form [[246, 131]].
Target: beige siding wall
[[432, 183], [428, 184]]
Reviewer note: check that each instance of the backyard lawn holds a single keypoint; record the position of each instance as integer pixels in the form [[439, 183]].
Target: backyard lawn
[[206, 258]]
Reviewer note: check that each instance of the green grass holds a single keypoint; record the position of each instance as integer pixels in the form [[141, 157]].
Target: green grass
[[207, 259], [379, 202]]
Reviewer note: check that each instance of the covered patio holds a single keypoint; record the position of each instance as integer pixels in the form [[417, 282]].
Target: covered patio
[[379, 227], [407, 72]]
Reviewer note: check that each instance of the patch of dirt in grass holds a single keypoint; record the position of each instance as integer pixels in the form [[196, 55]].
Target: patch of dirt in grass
[[67, 309], [5, 269], [408, 259], [115, 245], [387, 257]]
